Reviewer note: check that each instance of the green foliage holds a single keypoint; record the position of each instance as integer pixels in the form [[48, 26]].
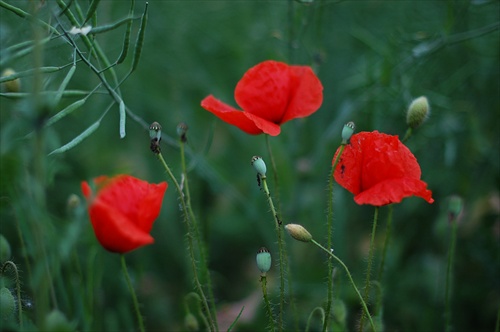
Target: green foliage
[[84, 108]]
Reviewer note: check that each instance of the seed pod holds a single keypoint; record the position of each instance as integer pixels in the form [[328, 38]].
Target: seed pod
[[263, 259], [259, 165], [347, 131]]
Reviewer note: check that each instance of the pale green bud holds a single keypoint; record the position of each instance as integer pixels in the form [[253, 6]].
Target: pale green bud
[[259, 165], [263, 259], [418, 112], [347, 131], [7, 303], [455, 205], [298, 232], [13, 85], [56, 321], [191, 323]]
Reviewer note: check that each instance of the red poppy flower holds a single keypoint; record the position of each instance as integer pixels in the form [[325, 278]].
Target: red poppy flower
[[270, 94], [378, 169], [123, 210]]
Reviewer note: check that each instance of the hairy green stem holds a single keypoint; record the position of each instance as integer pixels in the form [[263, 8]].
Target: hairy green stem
[[263, 283], [283, 263], [369, 266], [388, 230], [190, 242]]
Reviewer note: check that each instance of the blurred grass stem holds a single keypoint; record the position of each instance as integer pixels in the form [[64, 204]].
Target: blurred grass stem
[[132, 292], [449, 273]]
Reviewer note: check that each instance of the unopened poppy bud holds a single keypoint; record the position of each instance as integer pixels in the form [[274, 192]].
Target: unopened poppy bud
[[298, 232], [182, 129], [259, 165], [57, 321], [5, 250], [7, 303], [418, 111], [13, 85], [347, 131], [155, 131], [191, 322], [339, 311], [263, 259], [455, 205]]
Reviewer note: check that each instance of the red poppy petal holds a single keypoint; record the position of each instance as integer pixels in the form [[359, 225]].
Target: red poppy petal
[[230, 115], [306, 95], [114, 231], [348, 170], [86, 190], [150, 206], [264, 125], [264, 90], [393, 191]]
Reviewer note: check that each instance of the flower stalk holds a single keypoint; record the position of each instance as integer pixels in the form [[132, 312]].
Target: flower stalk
[[132, 292]]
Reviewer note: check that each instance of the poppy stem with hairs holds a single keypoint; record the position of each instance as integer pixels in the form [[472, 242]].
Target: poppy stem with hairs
[[282, 257], [369, 266], [388, 229], [186, 215], [132, 292], [329, 218], [201, 244], [263, 283], [363, 303]]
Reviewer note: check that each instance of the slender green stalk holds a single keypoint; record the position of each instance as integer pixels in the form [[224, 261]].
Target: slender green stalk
[[282, 259], [362, 301], [329, 231], [190, 242], [275, 172], [132, 292], [407, 135], [311, 315], [369, 266], [263, 283], [201, 244], [388, 230], [449, 274]]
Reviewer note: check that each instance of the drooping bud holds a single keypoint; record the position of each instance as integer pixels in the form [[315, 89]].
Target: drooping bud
[[155, 136], [259, 165], [5, 251], [298, 232], [182, 129], [347, 131], [418, 112], [263, 259], [12, 85], [455, 205], [190, 322], [7, 303]]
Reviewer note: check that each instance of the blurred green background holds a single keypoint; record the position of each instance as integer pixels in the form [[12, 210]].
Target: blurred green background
[[373, 58]]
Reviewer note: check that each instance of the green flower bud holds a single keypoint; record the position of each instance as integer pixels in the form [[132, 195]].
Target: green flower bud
[[259, 165], [56, 321], [5, 251], [418, 112], [298, 232], [155, 131], [182, 129], [347, 131], [191, 323], [7, 303], [455, 205], [263, 259], [13, 85]]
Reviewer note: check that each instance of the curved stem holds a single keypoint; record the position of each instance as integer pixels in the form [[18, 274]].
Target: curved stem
[[190, 242], [363, 303], [369, 266], [132, 292], [18, 290]]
